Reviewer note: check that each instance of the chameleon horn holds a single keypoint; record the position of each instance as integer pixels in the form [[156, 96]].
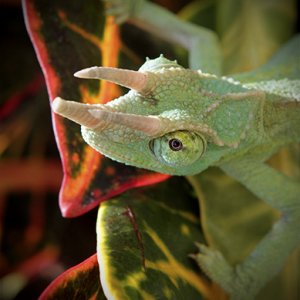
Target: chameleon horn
[[131, 79], [150, 125], [77, 112]]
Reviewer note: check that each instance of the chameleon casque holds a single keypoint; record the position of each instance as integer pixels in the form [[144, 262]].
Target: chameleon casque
[[181, 121]]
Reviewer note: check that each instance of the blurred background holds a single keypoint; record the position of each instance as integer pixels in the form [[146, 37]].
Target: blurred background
[[36, 242]]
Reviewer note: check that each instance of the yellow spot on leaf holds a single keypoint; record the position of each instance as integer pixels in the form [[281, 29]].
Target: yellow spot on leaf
[[185, 229], [134, 280], [168, 293], [174, 269]]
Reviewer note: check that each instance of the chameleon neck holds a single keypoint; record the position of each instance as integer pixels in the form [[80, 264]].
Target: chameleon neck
[[281, 119]]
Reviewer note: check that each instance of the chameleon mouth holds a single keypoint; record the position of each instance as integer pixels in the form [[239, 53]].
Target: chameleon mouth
[[112, 149]]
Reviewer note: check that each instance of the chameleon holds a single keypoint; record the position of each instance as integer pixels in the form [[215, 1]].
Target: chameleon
[[181, 121]]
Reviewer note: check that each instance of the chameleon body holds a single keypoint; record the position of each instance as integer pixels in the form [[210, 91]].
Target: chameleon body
[[181, 121]]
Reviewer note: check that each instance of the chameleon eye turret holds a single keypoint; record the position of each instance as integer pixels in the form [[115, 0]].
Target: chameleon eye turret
[[178, 149]]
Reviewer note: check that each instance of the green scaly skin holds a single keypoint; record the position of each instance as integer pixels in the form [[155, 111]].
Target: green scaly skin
[[235, 124]]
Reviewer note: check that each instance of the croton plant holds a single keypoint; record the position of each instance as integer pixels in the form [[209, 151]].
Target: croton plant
[[148, 223]]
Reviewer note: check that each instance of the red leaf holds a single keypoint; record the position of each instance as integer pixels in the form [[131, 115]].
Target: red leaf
[[68, 36], [79, 282]]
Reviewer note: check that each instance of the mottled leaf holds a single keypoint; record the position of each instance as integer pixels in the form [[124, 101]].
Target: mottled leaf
[[78, 283], [144, 239], [69, 36]]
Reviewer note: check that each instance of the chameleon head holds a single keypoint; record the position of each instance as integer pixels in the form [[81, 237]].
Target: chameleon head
[[154, 125]]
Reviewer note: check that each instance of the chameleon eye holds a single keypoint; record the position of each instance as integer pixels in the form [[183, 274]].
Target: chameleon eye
[[179, 148], [175, 144]]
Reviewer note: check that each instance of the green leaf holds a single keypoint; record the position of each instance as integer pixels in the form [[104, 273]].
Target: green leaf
[[144, 239], [78, 283], [252, 30]]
